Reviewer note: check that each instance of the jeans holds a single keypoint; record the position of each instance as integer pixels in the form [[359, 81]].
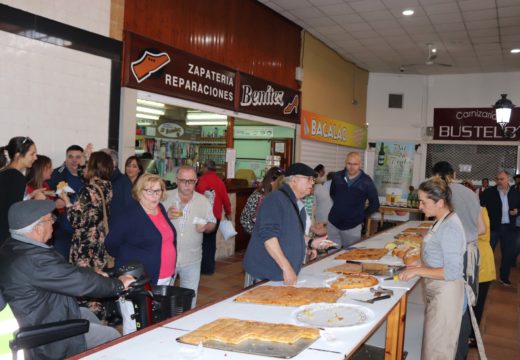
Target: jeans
[[344, 238], [209, 248], [189, 278]]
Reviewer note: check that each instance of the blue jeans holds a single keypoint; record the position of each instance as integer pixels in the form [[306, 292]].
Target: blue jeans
[[189, 278]]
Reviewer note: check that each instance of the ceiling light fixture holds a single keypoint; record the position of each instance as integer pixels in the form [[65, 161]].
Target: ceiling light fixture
[[150, 103], [503, 108], [150, 111], [408, 12], [515, 51], [147, 116], [208, 122]]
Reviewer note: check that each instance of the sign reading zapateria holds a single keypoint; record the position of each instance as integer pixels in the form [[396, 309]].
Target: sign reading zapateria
[[264, 98], [472, 124], [158, 68]]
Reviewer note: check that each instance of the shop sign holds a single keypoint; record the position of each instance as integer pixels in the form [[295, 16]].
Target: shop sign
[[322, 128], [253, 132], [264, 98], [158, 68], [473, 124]]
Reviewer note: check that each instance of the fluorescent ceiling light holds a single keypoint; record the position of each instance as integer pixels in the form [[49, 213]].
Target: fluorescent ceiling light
[[204, 116], [209, 122], [147, 116], [515, 51], [150, 111], [150, 103], [408, 12]]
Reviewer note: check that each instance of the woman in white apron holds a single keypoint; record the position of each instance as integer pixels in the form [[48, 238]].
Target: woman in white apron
[[442, 269]]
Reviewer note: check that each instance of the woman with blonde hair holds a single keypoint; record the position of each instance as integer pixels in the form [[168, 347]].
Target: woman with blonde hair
[[144, 232]]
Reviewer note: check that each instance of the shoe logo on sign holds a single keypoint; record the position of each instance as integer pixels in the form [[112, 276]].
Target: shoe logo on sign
[[148, 64], [292, 106]]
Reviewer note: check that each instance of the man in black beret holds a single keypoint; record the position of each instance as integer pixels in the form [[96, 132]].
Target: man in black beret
[[278, 244], [41, 287]]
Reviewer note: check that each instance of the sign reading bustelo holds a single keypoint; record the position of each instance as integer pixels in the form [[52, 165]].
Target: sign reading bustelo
[[264, 98], [472, 124], [158, 68], [322, 128]]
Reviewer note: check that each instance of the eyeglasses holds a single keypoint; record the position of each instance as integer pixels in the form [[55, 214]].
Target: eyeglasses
[[153, 192], [186, 181]]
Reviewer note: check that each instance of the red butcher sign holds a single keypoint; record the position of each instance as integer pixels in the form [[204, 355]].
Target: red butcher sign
[[473, 124]]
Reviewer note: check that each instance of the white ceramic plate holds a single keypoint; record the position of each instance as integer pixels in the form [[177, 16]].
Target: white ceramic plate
[[333, 315]]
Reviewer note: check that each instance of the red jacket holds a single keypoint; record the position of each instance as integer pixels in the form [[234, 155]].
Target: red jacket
[[211, 181]]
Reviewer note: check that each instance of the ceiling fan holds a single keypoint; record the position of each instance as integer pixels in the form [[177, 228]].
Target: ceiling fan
[[430, 59]]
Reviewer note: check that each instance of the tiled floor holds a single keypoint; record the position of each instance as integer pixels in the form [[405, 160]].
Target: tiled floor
[[500, 322]]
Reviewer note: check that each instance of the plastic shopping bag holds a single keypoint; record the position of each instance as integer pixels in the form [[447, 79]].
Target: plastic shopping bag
[[227, 229]]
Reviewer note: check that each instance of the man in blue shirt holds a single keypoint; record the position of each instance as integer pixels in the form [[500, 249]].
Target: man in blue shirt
[[72, 173], [350, 190]]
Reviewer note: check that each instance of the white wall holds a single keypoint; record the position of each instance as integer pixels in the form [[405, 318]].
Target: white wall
[[91, 15], [422, 94], [56, 96]]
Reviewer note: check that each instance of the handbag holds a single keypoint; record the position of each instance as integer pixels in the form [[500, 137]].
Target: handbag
[[227, 229]]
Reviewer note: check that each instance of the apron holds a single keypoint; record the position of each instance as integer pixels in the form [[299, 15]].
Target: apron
[[444, 301]]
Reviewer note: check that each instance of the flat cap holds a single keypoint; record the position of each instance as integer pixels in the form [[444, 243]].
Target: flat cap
[[300, 169], [24, 213]]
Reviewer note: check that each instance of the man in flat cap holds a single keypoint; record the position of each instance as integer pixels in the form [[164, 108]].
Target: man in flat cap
[[41, 287], [278, 245]]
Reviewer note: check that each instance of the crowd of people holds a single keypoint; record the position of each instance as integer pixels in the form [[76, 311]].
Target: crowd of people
[[75, 221], [67, 225]]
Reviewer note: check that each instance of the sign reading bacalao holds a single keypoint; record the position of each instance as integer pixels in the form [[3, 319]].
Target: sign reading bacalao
[[322, 128], [156, 67], [264, 98], [472, 124]]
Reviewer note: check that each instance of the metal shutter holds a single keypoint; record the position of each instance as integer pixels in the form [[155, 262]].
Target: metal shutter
[[330, 155]]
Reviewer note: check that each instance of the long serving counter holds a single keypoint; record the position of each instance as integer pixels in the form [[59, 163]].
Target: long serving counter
[[159, 341]]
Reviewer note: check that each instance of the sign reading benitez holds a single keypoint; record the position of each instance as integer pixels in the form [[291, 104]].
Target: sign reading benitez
[[473, 124]]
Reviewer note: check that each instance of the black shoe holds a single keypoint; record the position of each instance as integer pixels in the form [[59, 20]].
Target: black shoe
[[505, 282]]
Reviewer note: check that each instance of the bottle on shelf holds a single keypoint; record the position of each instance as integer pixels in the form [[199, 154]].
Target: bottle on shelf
[[381, 155]]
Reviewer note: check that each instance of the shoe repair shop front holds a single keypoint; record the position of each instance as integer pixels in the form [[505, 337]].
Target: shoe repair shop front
[[181, 109]]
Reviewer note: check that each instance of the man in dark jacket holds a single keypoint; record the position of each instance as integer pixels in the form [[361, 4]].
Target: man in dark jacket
[[503, 203], [72, 173], [350, 189], [277, 247], [40, 286]]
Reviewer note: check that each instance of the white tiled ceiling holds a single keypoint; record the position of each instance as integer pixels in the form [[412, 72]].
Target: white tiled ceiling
[[474, 36]]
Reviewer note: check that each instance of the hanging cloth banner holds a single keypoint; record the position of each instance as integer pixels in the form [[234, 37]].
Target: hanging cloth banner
[[393, 170]]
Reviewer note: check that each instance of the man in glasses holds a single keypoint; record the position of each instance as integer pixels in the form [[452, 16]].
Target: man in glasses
[[350, 190], [192, 215], [212, 186], [278, 244], [41, 287]]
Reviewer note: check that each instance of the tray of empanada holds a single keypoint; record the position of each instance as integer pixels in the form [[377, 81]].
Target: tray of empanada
[[253, 337]]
